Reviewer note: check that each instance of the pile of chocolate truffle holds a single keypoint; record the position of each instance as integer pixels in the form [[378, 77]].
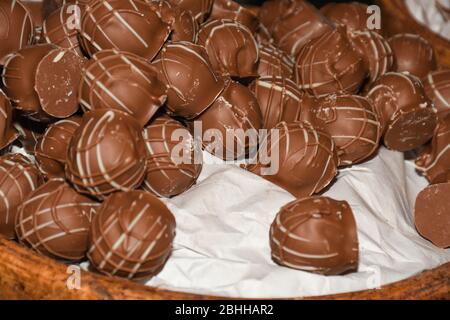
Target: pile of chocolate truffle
[[95, 91]]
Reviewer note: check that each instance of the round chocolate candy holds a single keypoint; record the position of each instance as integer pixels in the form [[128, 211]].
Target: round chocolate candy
[[229, 9], [174, 158], [273, 11], [280, 100], [353, 124], [192, 85], [18, 178], [413, 54], [375, 52], [51, 148], [199, 9], [131, 235], [300, 159], [407, 116], [236, 118], [432, 214], [7, 131], [16, 27], [274, 62], [106, 154], [128, 25], [330, 64], [42, 81], [117, 80], [231, 48], [55, 221], [437, 88], [317, 235], [434, 161]]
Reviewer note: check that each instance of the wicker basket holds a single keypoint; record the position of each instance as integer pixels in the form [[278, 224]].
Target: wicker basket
[[27, 275]]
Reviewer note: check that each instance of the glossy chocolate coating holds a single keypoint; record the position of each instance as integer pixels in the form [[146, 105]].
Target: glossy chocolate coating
[[167, 176], [131, 235], [353, 124], [407, 116], [18, 178], [7, 131], [432, 214], [413, 54], [235, 113], [115, 80], [307, 159], [274, 62], [200, 9], [16, 27], [437, 88], [51, 148], [353, 15], [317, 235], [106, 154], [375, 52], [128, 25], [330, 64], [192, 85], [434, 161], [55, 221], [231, 48], [229, 9]]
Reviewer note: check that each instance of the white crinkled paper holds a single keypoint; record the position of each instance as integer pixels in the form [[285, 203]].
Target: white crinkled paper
[[434, 14], [222, 242]]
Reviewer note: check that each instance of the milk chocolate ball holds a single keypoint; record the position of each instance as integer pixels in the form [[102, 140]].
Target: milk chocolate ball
[[200, 9], [16, 27], [18, 178], [330, 64], [174, 158], [106, 154], [55, 221], [7, 131], [127, 25], [317, 235], [51, 148], [231, 48], [116, 80], [413, 54], [131, 235], [192, 85], [407, 116], [274, 62], [303, 159], [437, 88], [229, 9], [353, 124]]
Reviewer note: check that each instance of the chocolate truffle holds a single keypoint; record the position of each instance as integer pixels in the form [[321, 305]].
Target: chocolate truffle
[[274, 62], [183, 25], [106, 154], [51, 148], [280, 100], [128, 25], [353, 15], [18, 178], [169, 172], [375, 52], [272, 11], [231, 48], [16, 27], [315, 234], [307, 159], [42, 81], [299, 26], [437, 88], [434, 161], [116, 80], [199, 9], [407, 116], [7, 131], [236, 117], [55, 221], [353, 124], [229, 9], [131, 235], [432, 214], [330, 64], [192, 85], [413, 54]]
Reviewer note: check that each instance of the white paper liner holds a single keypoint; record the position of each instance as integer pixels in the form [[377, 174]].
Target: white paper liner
[[432, 13]]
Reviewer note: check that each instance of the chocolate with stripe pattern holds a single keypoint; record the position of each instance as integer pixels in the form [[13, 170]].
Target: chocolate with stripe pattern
[[437, 88], [274, 62], [200, 9], [7, 131], [229, 9]]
